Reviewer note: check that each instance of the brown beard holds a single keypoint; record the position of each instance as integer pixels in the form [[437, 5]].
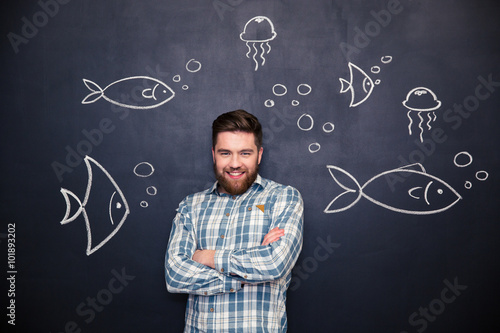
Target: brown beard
[[236, 187]]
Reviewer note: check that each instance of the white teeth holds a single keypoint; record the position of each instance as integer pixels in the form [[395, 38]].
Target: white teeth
[[235, 173]]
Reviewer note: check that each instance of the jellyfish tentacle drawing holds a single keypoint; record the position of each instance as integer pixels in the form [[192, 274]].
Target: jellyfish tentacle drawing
[[420, 100], [258, 30]]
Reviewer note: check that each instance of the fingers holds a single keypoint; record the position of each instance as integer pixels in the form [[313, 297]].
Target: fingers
[[273, 235]]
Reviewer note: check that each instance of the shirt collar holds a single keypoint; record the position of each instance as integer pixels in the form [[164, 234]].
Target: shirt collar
[[259, 182]]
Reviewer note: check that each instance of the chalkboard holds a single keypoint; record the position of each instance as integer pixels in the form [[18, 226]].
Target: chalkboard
[[383, 114]]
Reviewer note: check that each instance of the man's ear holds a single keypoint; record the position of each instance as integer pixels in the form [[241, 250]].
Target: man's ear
[[261, 150]]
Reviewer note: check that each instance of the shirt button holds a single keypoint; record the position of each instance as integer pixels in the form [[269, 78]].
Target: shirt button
[[211, 309], [222, 270], [231, 290], [245, 277], [221, 236], [227, 214], [206, 293], [249, 208], [234, 197]]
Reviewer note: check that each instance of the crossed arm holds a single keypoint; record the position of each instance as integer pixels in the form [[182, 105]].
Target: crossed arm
[[206, 257], [209, 272]]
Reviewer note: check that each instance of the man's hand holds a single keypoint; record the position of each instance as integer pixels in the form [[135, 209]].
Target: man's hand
[[273, 236], [205, 257]]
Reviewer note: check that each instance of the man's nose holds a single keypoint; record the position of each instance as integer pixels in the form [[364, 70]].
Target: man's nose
[[235, 162]]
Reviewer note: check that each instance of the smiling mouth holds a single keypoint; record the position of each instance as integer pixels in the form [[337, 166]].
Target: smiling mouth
[[235, 174]]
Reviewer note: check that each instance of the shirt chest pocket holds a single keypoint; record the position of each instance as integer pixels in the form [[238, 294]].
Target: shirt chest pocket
[[253, 224]]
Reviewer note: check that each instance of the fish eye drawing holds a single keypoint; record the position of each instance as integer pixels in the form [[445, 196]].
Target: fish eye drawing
[[420, 100], [117, 208], [360, 85], [258, 30], [420, 193], [147, 92]]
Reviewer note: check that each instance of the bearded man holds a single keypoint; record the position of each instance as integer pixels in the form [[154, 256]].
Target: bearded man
[[233, 246]]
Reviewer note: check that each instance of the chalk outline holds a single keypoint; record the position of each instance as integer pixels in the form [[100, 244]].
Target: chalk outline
[[362, 194], [140, 175], [194, 61], [351, 88], [419, 111], [312, 122], [462, 165], [98, 92], [314, 151], [258, 19], [282, 86], [81, 210]]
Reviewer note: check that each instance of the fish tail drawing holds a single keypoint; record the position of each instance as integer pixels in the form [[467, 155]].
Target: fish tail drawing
[[262, 54], [96, 92], [255, 53], [66, 194], [346, 85], [411, 121], [330, 208]]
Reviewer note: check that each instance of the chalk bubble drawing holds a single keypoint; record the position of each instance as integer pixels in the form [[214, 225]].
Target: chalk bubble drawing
[[419, 194], [314, 147], [482, 175], [145, 169], [464, 159], [258, 30], [311, 120], [197, 68], [117, 207], [467, 161], [420, 100], [144, 165], [153, 92], [360, 85]]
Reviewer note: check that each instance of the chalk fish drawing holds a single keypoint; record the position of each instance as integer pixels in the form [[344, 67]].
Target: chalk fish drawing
[[416, 193], [420, 100], [118, 207], [153, 92], [360, 85], [259, 30]]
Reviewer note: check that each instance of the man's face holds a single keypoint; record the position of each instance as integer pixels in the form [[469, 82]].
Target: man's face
[[236, 161]]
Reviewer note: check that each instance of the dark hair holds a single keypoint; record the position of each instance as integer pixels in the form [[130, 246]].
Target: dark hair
[[237, 121]]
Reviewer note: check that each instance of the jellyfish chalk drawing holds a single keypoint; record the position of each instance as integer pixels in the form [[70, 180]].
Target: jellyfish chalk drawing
[[258, 30], [420, 100], [147, 92], [420, 193], [99, 231]]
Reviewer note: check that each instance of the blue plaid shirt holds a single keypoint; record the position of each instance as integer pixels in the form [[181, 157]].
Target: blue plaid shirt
[[246, 292]]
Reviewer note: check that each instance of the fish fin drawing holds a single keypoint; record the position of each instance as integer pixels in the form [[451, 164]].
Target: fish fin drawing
[[330, 208], [415, 167], [96, 92], [66, 194], [345, 85]]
